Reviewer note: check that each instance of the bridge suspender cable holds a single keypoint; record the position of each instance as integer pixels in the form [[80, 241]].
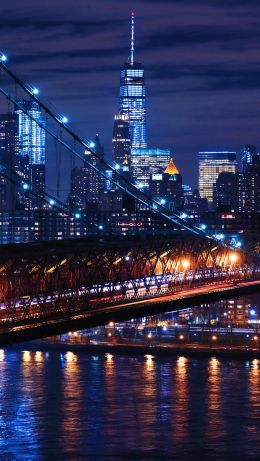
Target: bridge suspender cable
[[124, 185], [135, 193]]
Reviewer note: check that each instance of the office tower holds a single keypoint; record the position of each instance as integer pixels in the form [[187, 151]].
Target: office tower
[[121, 143], [78, 189], [132, 96], [211, 164], [249, 187], [95, 182], [226, 192], [9, 150], [166, 187], [247, 153], [145, 162], [32, 146]]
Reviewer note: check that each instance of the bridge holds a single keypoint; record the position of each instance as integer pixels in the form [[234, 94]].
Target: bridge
[[52, 287]]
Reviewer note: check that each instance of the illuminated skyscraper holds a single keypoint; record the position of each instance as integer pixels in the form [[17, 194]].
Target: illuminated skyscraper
[[166, 187], [121, 143], [247, 153], [9, 149], [132, 96], [145, 162], [211, 164], [32, 145]]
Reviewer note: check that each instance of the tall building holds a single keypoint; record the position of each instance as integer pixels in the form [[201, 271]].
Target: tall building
[[9, 150], [121, 142], [32, 147], [166, 187], [211, 164], [95, 182], [78, 189], [226, 192], [145, 162], [132, 96], [247, 153], [249, 187]]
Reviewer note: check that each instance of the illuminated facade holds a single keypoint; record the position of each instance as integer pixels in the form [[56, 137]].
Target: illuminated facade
[[146, 162], [9, 149], [132, 97], [166, 187], [32, 147], [211, 164], [247, 153]]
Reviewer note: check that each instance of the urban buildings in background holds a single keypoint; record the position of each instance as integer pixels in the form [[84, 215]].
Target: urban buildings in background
[[228, 198], [22, 155], [132, 101], [211, 164]]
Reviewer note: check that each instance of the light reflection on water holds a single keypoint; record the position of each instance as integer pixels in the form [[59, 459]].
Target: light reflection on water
[[76, 406]]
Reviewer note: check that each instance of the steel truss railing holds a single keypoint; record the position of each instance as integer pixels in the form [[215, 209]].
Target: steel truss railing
[[117, 179], [61, 280]]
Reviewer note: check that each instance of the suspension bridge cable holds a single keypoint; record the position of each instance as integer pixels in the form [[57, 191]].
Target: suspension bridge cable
[[136, 193]]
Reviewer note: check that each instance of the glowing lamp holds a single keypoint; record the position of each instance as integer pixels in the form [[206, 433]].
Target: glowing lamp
[[233, 258], [185, 263]]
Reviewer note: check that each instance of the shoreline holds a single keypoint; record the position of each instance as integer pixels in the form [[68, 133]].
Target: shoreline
[[167, 350]]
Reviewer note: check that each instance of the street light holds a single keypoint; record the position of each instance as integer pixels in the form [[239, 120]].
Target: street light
[[185, 263], [233, 257]]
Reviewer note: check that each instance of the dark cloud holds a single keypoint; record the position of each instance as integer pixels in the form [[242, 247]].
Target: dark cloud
[[201, 59]]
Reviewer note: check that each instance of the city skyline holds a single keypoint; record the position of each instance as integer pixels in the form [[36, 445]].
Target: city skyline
[[200, 76]]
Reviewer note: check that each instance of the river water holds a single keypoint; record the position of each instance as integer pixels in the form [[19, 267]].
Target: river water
[[68, 406]]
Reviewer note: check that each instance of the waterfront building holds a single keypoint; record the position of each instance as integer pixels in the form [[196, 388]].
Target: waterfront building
[[211, 164], [132, 102], [146, 162]]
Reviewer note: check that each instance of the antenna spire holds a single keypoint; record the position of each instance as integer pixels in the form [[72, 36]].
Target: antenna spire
[[132, 38]]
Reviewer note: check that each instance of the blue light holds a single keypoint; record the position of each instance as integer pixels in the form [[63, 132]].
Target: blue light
[[101, 227], [203, 226], [35, 91], [91, 144], [127, 258], [3, 58], [52, 202], [219, 236], [238, 244], [25, 186], [163, 201], [77, 215], [64, 120], [184, 216], [164, 328], [117, 166], [252, 312]]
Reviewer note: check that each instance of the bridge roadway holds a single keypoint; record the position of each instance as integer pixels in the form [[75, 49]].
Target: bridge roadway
[[188, 297]]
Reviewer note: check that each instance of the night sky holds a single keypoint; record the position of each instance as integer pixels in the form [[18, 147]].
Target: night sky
[[202, 63]]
